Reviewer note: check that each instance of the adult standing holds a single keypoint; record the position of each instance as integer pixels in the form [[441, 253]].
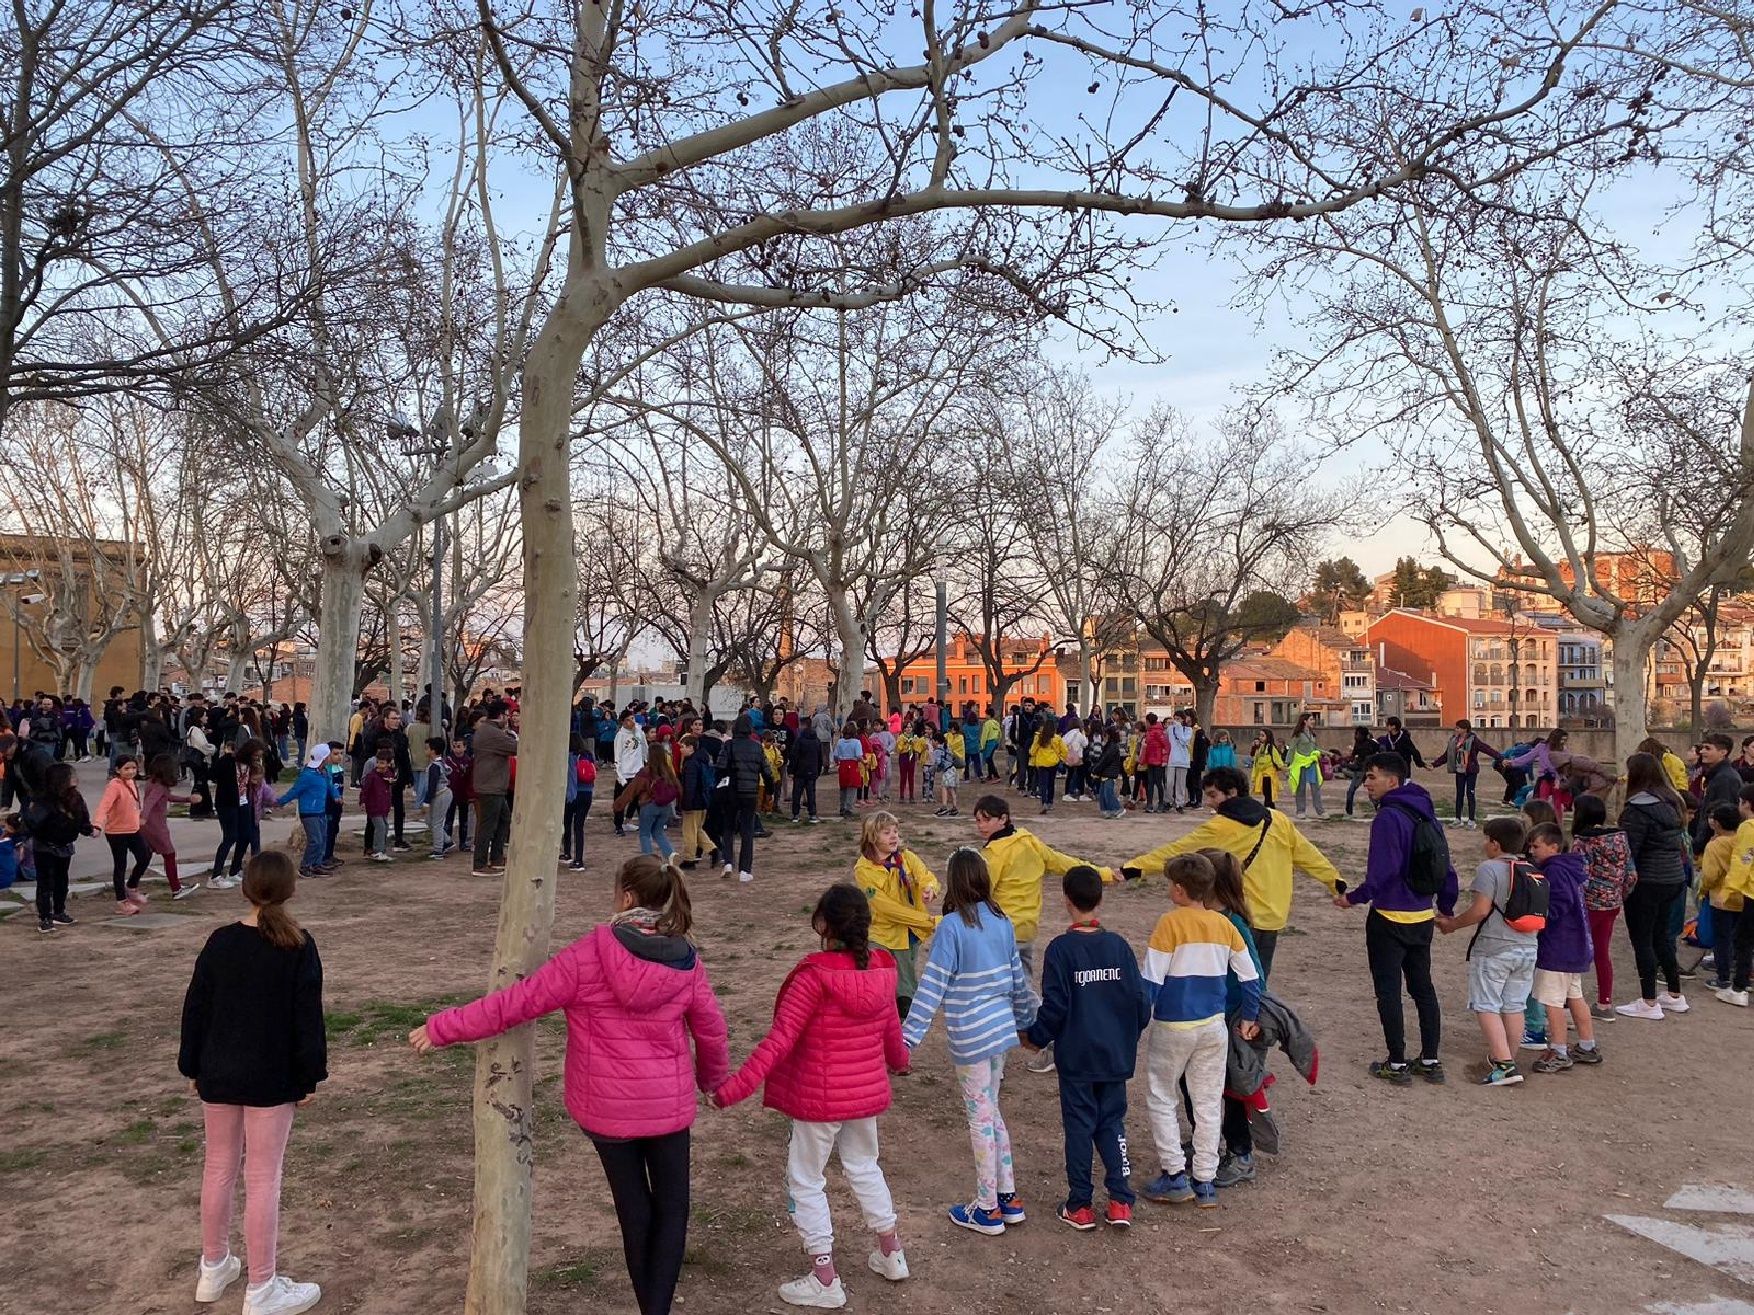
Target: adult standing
[[1395, 739], [1181, 757], [26, 769], [1265, 842], [1462, 755], [1722, 784], [1654, 834], [389, 734], [630, 760], [45, 727], [1305, 751], [1406, 846], [198, 758], [301, 729], [1198, 751], [804, 762], [115, 708], [492, 748], [743, 765]]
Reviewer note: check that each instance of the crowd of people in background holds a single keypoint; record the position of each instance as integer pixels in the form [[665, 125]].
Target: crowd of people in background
[[900, 948]]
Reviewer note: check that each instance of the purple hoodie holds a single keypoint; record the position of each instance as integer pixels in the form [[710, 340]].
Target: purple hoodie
[[1391, 841], [1563, 946]]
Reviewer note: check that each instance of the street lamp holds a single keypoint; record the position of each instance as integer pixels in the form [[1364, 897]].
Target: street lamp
[[942, 588], [12, 580]]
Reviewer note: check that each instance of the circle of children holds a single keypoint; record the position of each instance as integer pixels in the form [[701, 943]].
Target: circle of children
[[899, 948]]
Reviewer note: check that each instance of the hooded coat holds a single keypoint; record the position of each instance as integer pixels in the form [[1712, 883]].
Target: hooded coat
[[835, 1037], [632, 1001]]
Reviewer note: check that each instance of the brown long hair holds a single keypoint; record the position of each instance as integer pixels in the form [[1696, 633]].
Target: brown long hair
[[1645, 773], [1227, 889], [663, 762], [270, 879], [654, 884], [967, 884]]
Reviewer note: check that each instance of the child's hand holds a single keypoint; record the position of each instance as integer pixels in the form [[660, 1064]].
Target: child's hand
[[1444, 925], [1341, 902], [307, 1100], [1248, 1029], [421, 1041], [719, 1099], [1024, 1041]]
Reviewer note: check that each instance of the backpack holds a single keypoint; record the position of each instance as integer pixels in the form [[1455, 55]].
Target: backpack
[[1525, 907], [587, 771], [1428, 856]]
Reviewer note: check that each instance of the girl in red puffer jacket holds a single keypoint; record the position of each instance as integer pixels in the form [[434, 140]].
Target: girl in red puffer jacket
[[827, 1058]]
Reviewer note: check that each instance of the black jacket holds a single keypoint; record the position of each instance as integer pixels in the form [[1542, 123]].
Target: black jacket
[[27, 769], [253, 1020], [744, 761], [375, 737], [1655, 836], [697, 782], [1723, 785], [1107, 764], [805, 756]]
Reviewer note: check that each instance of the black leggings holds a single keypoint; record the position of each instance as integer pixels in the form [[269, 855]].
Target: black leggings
[[572, 830], [745, 830], [52, 882], [120, 847], [1648, 909], [1398, 950], [648, 1179], [1465, 782]]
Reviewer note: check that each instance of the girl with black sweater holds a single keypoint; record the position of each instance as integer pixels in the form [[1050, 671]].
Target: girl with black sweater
[[54, 820], [1654, 822], [253, 1049]]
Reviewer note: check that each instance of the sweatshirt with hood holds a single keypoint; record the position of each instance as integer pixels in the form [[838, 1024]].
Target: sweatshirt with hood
[[1563, 945], [1266, 883], [1018, 862], [1385, 886], [632, 1000]]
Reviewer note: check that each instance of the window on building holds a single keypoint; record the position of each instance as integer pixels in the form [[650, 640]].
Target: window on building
[[1260, 687], [1129, 685], [1355, 681], [1157, 664], [962, 684], [1479, 698], [1260, 714]]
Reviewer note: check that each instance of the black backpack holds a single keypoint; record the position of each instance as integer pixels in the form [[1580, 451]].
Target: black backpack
[[1525, 904], [1428, 856]]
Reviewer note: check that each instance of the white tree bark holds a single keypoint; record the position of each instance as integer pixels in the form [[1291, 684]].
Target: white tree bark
[[345, 561]]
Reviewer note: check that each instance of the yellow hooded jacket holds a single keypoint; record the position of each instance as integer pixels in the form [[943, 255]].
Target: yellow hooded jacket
[[1265, 766], [1714, 871], [1017, 862], [895, 910], [1052, 754], [1739, 880], [1266, 885]]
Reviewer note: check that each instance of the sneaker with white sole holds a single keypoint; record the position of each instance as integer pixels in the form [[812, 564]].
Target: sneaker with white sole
[[185, 892], [211, 1281], [892, 1266], [1731, 996], [1639, 1009], [280, 1296], [1672, 1004], [745, 877], [810, 1291], [1042, 1062]]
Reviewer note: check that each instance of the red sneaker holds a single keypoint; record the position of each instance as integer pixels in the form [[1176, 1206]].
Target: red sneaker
[[1083, 1218], [1120, 1215]]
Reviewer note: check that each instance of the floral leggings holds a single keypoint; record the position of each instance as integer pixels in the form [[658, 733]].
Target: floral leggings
[[986, 1130]]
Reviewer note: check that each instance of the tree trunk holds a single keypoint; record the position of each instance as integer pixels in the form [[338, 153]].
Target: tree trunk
[[851, 636], [700, 643], [345, 562], [499, 1257], [86, 674], [1696, 701], [237, 666], [1205, 699], [892, 688], [151, 654], [1632, 645]]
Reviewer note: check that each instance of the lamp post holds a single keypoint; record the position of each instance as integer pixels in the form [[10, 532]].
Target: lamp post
[[12, 580], [942, 687]]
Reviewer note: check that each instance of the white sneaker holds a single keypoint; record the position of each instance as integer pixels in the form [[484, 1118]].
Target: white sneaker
[[1639, 1009], [1672, 1004], [211, 1281], [809, 1291], [745, 878], [893, 1266], [222, 883], [185, 892], [729, 869], [1737, 998], [281, 1296]]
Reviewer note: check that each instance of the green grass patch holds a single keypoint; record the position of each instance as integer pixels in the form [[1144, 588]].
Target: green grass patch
[[137, 1133], [383, 1020], [22, 1160], [100, 1042], [579, 1270]]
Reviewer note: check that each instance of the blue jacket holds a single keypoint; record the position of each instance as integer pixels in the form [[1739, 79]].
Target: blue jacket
[[1221, 755], [1391, 843], [1094, 1005], [311, 788], [975, 975]]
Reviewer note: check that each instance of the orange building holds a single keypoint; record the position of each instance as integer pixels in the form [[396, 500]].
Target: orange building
[[1271, 691], [1032, 658], [1343, 662], [1495, 673]]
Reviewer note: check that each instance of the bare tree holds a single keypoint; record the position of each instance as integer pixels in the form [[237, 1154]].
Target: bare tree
[[718, 175], [1540, 439], [1217, 530]]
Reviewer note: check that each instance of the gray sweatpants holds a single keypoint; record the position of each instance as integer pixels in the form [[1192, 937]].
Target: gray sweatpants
[[438, 823]]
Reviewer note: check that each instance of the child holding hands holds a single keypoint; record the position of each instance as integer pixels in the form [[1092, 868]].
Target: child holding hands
[[826, 1061], [898, 885]]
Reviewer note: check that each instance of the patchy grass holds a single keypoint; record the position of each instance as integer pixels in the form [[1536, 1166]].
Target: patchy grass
[[137, 1133], [99, 1042], [581, 1270], [383, 1020], [22, 1160]]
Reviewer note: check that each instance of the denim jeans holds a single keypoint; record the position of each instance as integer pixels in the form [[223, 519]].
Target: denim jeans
[[1109, 801], [1352, 791], [1044, 780], [316, 827], [653, 818]]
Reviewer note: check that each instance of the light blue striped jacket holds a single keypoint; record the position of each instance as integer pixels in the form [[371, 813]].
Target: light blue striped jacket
[[974, 974]]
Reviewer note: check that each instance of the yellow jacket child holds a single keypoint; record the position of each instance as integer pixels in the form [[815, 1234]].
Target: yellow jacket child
[[898, 894], [1018, 861], [1051, 754], [1739, 880], [1714, 870]]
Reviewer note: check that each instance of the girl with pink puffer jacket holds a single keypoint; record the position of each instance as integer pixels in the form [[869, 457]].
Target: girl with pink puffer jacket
[[634, 991], [836, 1037]]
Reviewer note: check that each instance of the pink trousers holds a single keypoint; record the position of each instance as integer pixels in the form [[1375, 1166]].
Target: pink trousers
[[252, 1137]]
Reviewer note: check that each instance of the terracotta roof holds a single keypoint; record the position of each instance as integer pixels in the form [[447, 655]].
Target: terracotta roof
[[1334, 637], [1472, 625], [1270, 668], [1387, 678]]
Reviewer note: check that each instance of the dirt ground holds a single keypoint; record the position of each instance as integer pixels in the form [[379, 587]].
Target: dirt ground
[[1421, 1199]]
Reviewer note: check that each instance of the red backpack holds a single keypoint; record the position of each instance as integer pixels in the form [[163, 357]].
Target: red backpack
[[587, 769]]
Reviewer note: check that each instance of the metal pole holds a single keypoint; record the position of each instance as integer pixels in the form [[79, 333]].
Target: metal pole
[[943, 687], [16, 641]]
